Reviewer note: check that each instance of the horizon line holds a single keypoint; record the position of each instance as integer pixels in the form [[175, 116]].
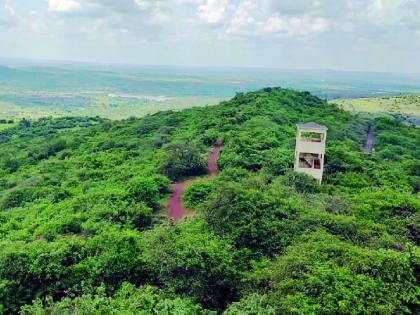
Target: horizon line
[[42, 61]]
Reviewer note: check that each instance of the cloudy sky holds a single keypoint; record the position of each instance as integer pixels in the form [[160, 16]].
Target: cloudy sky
[[374, 35]]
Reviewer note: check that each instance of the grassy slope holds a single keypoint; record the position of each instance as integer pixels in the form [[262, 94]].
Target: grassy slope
[[405, 105], [71, 221], [6, 126]]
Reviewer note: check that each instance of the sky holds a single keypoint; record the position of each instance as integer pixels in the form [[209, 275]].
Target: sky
[[361, 35]]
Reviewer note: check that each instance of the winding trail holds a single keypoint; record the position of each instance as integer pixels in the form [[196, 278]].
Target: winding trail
[[176, 210], [370, 141]]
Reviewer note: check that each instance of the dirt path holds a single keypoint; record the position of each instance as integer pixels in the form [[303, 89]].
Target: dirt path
[[212, 159], [176, 210], [370, 141]]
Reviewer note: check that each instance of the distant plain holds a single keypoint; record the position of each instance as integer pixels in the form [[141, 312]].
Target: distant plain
[[33, 90]]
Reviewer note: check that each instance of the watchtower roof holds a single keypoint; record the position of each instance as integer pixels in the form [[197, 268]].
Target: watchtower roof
[[311, 126]]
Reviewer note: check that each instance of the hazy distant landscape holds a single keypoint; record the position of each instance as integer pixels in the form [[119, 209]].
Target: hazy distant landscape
[[34, 90]]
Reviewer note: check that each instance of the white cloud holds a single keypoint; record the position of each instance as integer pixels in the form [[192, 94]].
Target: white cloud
[[8, 17], [243, 19], [37, 25], [212, 11], [319, 8], [302, 26], [190, 1], [242, 15], [98, 24], [220, 25], [376, 8], [275, 24], [9, 9], [143, 4], [63, 5], [159, 17], [319, 25], [251, 20]]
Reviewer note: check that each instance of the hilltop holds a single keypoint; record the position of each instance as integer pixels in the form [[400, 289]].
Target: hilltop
[[83, 221]]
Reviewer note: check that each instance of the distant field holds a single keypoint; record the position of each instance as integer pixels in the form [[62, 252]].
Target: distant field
[[117, 92], [5, 126], [407, 105], [35, 106]]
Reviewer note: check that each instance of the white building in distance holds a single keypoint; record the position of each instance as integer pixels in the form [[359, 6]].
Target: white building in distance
[[310, 149]]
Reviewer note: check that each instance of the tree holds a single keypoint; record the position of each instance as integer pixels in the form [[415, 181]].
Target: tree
[[192, 260], [144, 190], [322, 274], [254, 304], [25, 123], [251, 218], [182, 160], [128, 300]]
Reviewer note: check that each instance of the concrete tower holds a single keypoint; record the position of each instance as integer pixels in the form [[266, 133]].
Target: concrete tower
[[310, 149]]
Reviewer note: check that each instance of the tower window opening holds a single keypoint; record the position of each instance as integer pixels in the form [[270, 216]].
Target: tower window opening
[[312, 137], [309, 160]]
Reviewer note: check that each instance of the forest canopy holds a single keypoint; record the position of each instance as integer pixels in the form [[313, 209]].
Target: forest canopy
[[83, 227]]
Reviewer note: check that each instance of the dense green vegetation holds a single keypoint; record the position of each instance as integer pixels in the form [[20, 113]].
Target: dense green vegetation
[[82, 200]]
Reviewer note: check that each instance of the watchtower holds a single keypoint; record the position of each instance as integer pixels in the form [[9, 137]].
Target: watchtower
[[310, 149]]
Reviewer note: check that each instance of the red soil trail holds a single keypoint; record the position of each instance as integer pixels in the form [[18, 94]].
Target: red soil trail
[[176, 210], [212, 159]]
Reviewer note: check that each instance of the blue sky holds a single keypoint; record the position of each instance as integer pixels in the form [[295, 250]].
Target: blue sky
[[369, 35]]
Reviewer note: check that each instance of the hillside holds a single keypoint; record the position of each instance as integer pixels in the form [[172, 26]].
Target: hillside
[[83, 225], [406, 107]]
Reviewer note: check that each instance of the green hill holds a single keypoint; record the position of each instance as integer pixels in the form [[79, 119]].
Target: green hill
[[83, 227]]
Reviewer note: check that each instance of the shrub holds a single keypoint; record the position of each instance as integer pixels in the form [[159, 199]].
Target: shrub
[[144, 190], [192, 260], [251, 218], [16, 197], [301, 182], [324, 275], [137, 214], [182, 160], [254, 304], [12, 165], [128, 300], [197, 193]]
